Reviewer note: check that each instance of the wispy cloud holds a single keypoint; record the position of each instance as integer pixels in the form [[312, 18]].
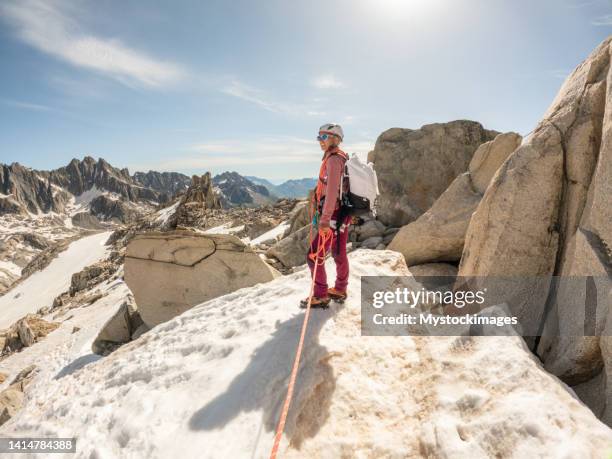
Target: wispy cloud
[[580, 4], [46, 26], [559, 73], [26, 105], [605, 20], [231, 153], [327, 82], [259, 97]]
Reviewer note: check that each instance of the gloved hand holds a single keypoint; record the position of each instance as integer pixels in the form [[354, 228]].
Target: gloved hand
[[324, 229]]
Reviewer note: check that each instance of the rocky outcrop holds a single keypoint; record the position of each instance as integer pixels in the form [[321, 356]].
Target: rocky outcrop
[[11, 398], [194, 204], [44, 258], [236, 190], [439, 234], [547, 212], [8, 205], [433, 270], [91, 276], [489, 157], [124, 326], [109, 209], [299, 217], [87, 220], [24, 333], [23, 189], [80, 176], [16, 252], [291, 250], [370, 228], [169, 273], [167, 184], [414, 167]]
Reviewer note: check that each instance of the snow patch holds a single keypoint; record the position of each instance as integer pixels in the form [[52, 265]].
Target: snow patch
[[41, 288], [164, 214], [86, 197], [224, 229], [272, 234], [11, 267], [210, 382]]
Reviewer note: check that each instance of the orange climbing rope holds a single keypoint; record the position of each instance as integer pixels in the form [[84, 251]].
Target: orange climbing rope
[[318, 260]]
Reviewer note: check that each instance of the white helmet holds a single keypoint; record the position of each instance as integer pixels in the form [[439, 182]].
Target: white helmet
[[334, 129]]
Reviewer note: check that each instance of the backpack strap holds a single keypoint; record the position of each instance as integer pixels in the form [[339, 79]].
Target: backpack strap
[[322, 181]]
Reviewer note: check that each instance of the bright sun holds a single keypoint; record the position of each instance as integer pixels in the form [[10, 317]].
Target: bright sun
[[401, 8]]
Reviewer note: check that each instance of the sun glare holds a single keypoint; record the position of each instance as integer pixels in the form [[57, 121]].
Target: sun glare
[[400, 9]]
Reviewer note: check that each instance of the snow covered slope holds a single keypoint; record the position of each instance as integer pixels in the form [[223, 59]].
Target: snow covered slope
[[209, 384], [41, 288]]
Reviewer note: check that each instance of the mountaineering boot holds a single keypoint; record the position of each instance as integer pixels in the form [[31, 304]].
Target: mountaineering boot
[[336, 295], [320, 303]]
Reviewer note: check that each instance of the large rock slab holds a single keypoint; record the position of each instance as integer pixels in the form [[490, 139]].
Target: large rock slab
[[514, 230], [414, 167], [169, 273], [439, 234], [119, 329], [489, 157], [576, 344], [546, 213], [291, 250]]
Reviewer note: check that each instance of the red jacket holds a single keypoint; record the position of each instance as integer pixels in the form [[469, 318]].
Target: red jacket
[[328, 186]]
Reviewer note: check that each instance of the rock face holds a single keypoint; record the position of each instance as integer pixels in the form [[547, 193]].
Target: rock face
[[24, 333], [125, 325], [291, 250], [91, 276], [300, 217], [169, 273], [434, 269], [236, 190], [87, 220], [167, 184], [17, 251], [25, 190], [489, 157], [81, 176], [439, 234], [11, 399], [547, 212], [194, 204], [414, 167], [108, 209]]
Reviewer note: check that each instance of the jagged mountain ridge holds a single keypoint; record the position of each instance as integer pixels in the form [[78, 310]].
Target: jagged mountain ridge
[[237, 190], [25, 189], [166, 183], [115, 192]]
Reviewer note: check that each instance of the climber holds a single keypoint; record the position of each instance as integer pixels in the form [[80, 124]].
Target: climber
[[332, 226]]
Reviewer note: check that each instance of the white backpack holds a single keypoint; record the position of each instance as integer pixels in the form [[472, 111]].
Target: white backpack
[[363, 187]]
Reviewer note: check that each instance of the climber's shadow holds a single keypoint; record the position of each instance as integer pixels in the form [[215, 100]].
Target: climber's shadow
[[77, 364], [263, 383]]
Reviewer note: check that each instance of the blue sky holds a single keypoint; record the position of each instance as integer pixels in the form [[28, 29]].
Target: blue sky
[[192, 86]]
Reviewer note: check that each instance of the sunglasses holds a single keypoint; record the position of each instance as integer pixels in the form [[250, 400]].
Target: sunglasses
[[323, 137]]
